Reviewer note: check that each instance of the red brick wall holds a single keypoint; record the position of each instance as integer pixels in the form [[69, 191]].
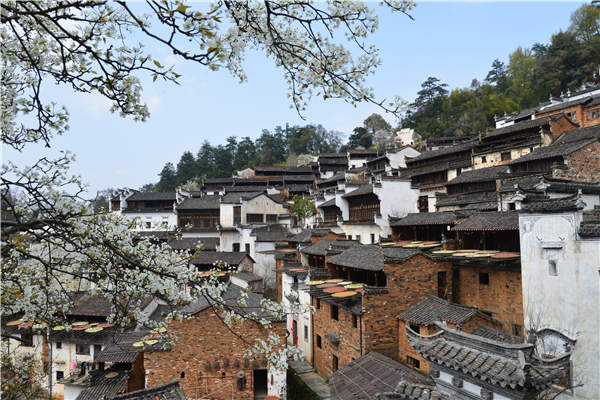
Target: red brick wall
[[201, 339], [502, 297], [583, 165], [349, 346], [330, 235], [278, 278], [590, 122], [576, 109], [407, 283]]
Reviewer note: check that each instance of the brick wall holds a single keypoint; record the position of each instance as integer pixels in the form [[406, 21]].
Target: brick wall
[[278, 278], [590, 122], [246, 265], [207, 356], [502, 297], [330, 235], [349, 347], [407, 283], [582, 165], [578, 110]]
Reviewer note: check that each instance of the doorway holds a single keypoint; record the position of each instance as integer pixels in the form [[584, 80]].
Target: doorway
[[260, 384]]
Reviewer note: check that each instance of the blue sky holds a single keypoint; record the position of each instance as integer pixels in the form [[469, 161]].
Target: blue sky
[[454, 42]]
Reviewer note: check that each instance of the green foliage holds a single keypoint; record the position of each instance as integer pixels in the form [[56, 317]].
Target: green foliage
[[269, 149], [302, 208], [531, 75]]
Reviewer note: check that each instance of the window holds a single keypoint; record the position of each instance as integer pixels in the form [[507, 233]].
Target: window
[[306, 333], [413, 362], [423, 204], [512, 206], [254, 218], [373, 238], [505, 156], [271, 217], [319, 341], [593, 114], [415, 328], [97, 349], [483, 159], [27, 339], [335, 312], [358, 239], [82, 349], [318, 304], [552, 268], [484, 278], [334, 363], [182, 375], [516, 330], [247, 247], [354, 321], [60, 375], [148, 225], [531, 149], [59, 345], [236, 247], [458, 171], [442, 282]]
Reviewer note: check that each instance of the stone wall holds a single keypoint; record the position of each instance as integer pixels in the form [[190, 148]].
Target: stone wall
[[582, 165], [501, 297], [207, 357]]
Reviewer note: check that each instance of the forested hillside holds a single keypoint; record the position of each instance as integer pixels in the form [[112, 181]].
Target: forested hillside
[[571, 58]]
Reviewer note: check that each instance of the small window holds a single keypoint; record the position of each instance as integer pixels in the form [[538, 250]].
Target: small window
[[415, 328], [27, 339], [458, 171], [236, 247], [505, 156], [319, 341], [358, 239], [247, 247], [531, 149], [318, 304], [60, 375], [354, 321], [58, 345], [82, 349], [483, 159], [517, 330], [182, 375], [484, 278], [272, 218], [372, 238], [254, 218], [306, 333], [552, 268], [413, 362], [334, 364], [148, 225], [512, 206], [335, 312]]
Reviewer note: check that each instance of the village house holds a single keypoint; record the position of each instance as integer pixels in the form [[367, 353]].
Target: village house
[[332, 163], [469, 366], [383, 282], [359, 157], [210, 360], [152, 210], [582, 107], [421, 318], [560, 243]]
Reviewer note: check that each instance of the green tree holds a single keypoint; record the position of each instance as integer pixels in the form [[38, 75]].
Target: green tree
[[186, 168], [271, 147], [376, 122], [245, 154], [302, 208], [168, 179], [498, 76], [360, 138], [585, 23]]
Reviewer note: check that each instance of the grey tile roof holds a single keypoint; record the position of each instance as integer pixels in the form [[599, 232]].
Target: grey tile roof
[[370, 374], [86, 305], [208, 202], [170, 391], [362, 190], [569, 203], [480, 175], [431, 309], [467, 198], [565, 104], [102, 385], [493, 334], [140, 196], [428, 218], [238, 197], [340, 176], [489, 221], [412, 391], [208, 244], [271, 233], [120, 348], [519, 126], [442, 152], [368, 257], [325, 246], [590, 225], [487, 360], [211, 257], [567, 143], [328, 203], [305, 234]]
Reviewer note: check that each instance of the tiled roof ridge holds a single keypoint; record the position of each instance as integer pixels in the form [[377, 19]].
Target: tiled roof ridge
[[406, 390], [152, 392]]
